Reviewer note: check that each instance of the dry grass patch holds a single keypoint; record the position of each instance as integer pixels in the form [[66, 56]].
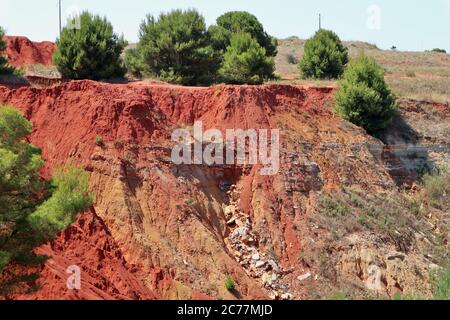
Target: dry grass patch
[[420, 88], [414, 75]]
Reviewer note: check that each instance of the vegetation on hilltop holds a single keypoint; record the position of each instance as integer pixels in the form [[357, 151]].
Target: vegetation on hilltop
[[363, 97], [90, 49], [325, 56], [241, 22], [245, 61], [176, 47]]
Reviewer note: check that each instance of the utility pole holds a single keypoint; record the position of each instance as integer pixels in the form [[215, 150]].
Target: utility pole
[[60, 26], [320, 21]]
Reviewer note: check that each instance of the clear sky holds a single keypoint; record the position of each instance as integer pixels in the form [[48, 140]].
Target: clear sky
[[409, 25]]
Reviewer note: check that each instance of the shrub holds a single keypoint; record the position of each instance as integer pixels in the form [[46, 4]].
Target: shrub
[[241, 22], [190, 202], [133, 62], [325, 56], [245, 61], [99, 141], [438, 50], [363, 97], [338, 295], [436, 188], [291, 59], [91, 52], [175, 47], [4, 67], [230, 285]]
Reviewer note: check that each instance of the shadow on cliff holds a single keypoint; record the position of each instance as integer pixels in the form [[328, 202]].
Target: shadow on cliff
[[403, 154]]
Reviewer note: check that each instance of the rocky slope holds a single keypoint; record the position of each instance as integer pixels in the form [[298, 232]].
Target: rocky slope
[[21, 51], [89, 245], [166, 231]]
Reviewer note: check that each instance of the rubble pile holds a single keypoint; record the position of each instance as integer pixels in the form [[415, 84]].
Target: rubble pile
[[243, 244]]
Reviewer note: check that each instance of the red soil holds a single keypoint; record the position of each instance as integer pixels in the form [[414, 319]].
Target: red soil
[[105, 274], [68, 118], [141, 240], [139, 243], [22, 52]]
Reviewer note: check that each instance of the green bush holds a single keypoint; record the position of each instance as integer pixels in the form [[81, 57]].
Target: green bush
[[363, 97], [31, 211], [438, 50], [70, 197], [241, 22], [99, 141], [338, 295], [230, 285], [133, 62], [91, 52], [245, 61], [4, 67], [442, 285], [325, 56], [175, 47]]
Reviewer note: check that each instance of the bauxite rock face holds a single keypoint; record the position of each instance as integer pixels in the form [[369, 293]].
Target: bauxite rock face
[[158, 230]]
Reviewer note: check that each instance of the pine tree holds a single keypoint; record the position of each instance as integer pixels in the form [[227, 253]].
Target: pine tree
[[32, 211], [241, 22], [4, 67], [363, 97], [325, 56], [245, 61], [175, 47], [91, 52]]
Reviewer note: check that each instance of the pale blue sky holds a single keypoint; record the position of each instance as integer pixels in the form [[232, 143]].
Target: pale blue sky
[[410, 25]]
